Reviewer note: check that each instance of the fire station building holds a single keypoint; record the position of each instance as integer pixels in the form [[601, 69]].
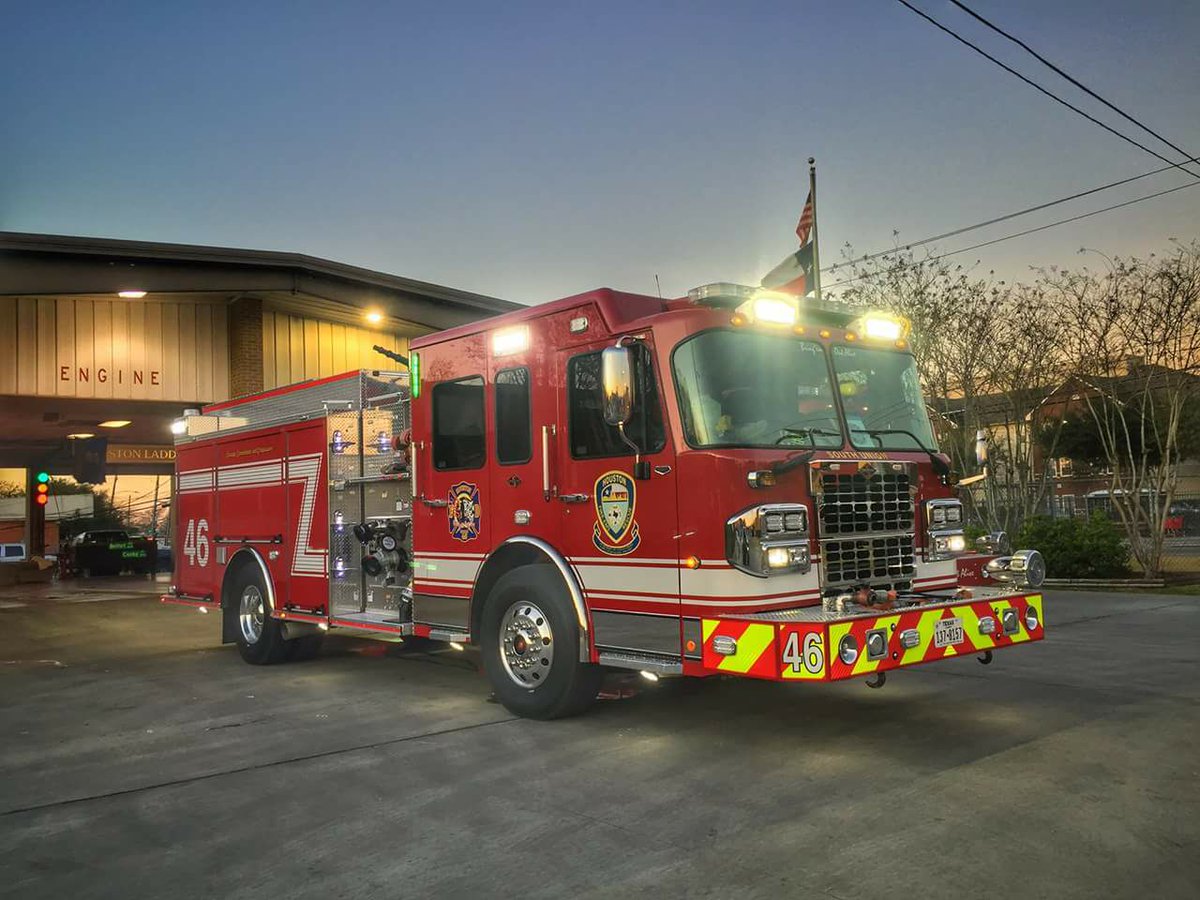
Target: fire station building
[[116, 338]]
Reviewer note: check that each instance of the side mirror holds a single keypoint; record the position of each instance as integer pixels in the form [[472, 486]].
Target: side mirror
[[981, 457], [616, 378]]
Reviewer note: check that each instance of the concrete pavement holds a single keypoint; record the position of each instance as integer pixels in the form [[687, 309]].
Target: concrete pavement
[[140, 758]]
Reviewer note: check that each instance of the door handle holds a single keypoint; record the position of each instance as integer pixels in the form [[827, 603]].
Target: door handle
[[435, 503], [574, 498], [547, 487]]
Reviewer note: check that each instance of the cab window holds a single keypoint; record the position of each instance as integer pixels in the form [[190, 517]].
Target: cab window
[[589, 434], [458, 424], [514, 441]]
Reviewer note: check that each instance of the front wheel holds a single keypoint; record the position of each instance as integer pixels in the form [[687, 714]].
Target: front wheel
[[530, 643]]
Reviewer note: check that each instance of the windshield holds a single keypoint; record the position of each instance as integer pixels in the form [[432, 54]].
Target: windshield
[[747, 389], [881, 396]]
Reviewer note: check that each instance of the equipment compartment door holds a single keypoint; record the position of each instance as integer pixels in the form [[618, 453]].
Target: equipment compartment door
[[619, 532]]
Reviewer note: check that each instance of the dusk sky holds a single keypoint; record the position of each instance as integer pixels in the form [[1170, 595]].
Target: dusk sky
[[533, 150]]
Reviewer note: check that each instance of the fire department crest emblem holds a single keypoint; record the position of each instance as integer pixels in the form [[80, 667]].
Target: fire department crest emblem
[[462, 509], [615, 532]]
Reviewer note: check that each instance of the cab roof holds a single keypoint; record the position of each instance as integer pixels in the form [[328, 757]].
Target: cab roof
[[617, 308]]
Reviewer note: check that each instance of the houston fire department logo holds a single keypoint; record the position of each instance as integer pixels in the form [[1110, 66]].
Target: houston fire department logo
[[462, 509], [615, 532]]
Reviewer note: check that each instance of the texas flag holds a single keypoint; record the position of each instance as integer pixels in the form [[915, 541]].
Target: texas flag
[[794, 274]]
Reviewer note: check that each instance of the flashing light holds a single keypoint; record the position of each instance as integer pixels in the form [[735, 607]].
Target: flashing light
[[883, 327], [43, 489], [414, 374], [768, 308], [179, 426], [508, 341]]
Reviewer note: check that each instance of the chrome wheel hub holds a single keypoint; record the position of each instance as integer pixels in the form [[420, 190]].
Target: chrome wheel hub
[[526, 644], [251, 611]]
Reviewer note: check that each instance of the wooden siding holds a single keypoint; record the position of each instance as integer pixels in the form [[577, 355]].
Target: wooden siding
[[110, 348], [300, 347]]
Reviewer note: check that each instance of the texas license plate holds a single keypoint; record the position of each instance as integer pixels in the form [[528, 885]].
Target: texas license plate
[[947, 632]]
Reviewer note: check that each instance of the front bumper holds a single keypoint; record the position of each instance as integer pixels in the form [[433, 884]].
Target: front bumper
[[803, 644]]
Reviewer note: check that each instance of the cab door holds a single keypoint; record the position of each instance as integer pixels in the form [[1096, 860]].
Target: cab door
[[451, 511], [619, 531]]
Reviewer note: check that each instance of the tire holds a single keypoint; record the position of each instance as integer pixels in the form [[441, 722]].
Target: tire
[[530, 645], [259, 636], [302, 649]]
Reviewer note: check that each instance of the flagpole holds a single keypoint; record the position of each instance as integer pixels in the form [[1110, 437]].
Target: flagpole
[[812, 192]]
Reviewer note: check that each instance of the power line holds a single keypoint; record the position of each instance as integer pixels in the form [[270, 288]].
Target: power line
[[1083, 87], [1009, 237], [1013, 215], [1029, 81]]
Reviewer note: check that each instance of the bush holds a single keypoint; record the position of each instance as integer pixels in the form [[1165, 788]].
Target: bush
[[1077, 548]]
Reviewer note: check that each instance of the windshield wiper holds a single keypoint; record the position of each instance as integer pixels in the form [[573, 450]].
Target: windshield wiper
[[938, 463], [808, 433]]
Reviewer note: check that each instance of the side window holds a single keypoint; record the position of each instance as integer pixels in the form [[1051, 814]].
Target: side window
[[458, 424], [589, 434], [514, 440]]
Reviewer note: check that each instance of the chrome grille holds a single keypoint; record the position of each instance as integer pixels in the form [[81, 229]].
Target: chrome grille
[[865, 501], [868, 559]]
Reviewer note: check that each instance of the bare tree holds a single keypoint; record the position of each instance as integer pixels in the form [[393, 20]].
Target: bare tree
[[988, 355], [1133, 336]]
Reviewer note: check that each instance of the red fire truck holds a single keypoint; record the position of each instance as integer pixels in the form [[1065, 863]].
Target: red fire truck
[[730, 483]]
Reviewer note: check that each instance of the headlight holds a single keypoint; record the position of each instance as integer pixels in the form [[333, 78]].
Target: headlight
[[778, 557], [769, 540], [848, 650], [945, 537]]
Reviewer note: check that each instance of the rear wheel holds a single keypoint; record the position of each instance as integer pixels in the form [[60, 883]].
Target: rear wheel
[[530, 643], [259, 636]]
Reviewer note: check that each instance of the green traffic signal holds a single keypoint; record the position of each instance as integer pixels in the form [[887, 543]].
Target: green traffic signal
[[43, 477]]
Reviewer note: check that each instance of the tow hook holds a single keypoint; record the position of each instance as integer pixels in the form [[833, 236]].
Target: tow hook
[[986, 659], [877, 680]]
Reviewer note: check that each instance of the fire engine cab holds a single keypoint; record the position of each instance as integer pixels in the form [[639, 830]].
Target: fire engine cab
[[730, 483]]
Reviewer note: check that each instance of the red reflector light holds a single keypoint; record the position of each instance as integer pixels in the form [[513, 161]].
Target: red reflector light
[[41, 499]]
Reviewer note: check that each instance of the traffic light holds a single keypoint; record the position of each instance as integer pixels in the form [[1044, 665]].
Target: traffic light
[[43, 488]]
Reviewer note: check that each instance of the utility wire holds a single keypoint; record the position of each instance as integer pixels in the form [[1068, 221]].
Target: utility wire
[[1029, 81], [1009, 237], [1013, 215], [1083, 87]]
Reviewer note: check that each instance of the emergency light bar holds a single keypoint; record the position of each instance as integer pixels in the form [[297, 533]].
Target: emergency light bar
[[721, 294]]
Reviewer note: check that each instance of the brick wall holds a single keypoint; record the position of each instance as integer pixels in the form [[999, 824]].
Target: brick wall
[[245, 346]]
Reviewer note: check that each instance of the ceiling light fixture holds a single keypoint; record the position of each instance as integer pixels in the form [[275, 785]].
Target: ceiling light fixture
[[115, 423], [373, 316], [80, 436], [131, 295]]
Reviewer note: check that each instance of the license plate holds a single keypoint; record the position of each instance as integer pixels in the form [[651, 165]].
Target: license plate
[[947, 632]]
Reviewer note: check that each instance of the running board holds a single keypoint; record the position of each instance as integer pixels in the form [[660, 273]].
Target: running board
[[384, 623], [643, 662]]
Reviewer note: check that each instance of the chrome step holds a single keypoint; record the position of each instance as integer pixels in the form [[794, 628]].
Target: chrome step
[[643, 662]]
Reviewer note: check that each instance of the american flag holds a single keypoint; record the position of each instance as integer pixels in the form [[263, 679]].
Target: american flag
[[804, 226]]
